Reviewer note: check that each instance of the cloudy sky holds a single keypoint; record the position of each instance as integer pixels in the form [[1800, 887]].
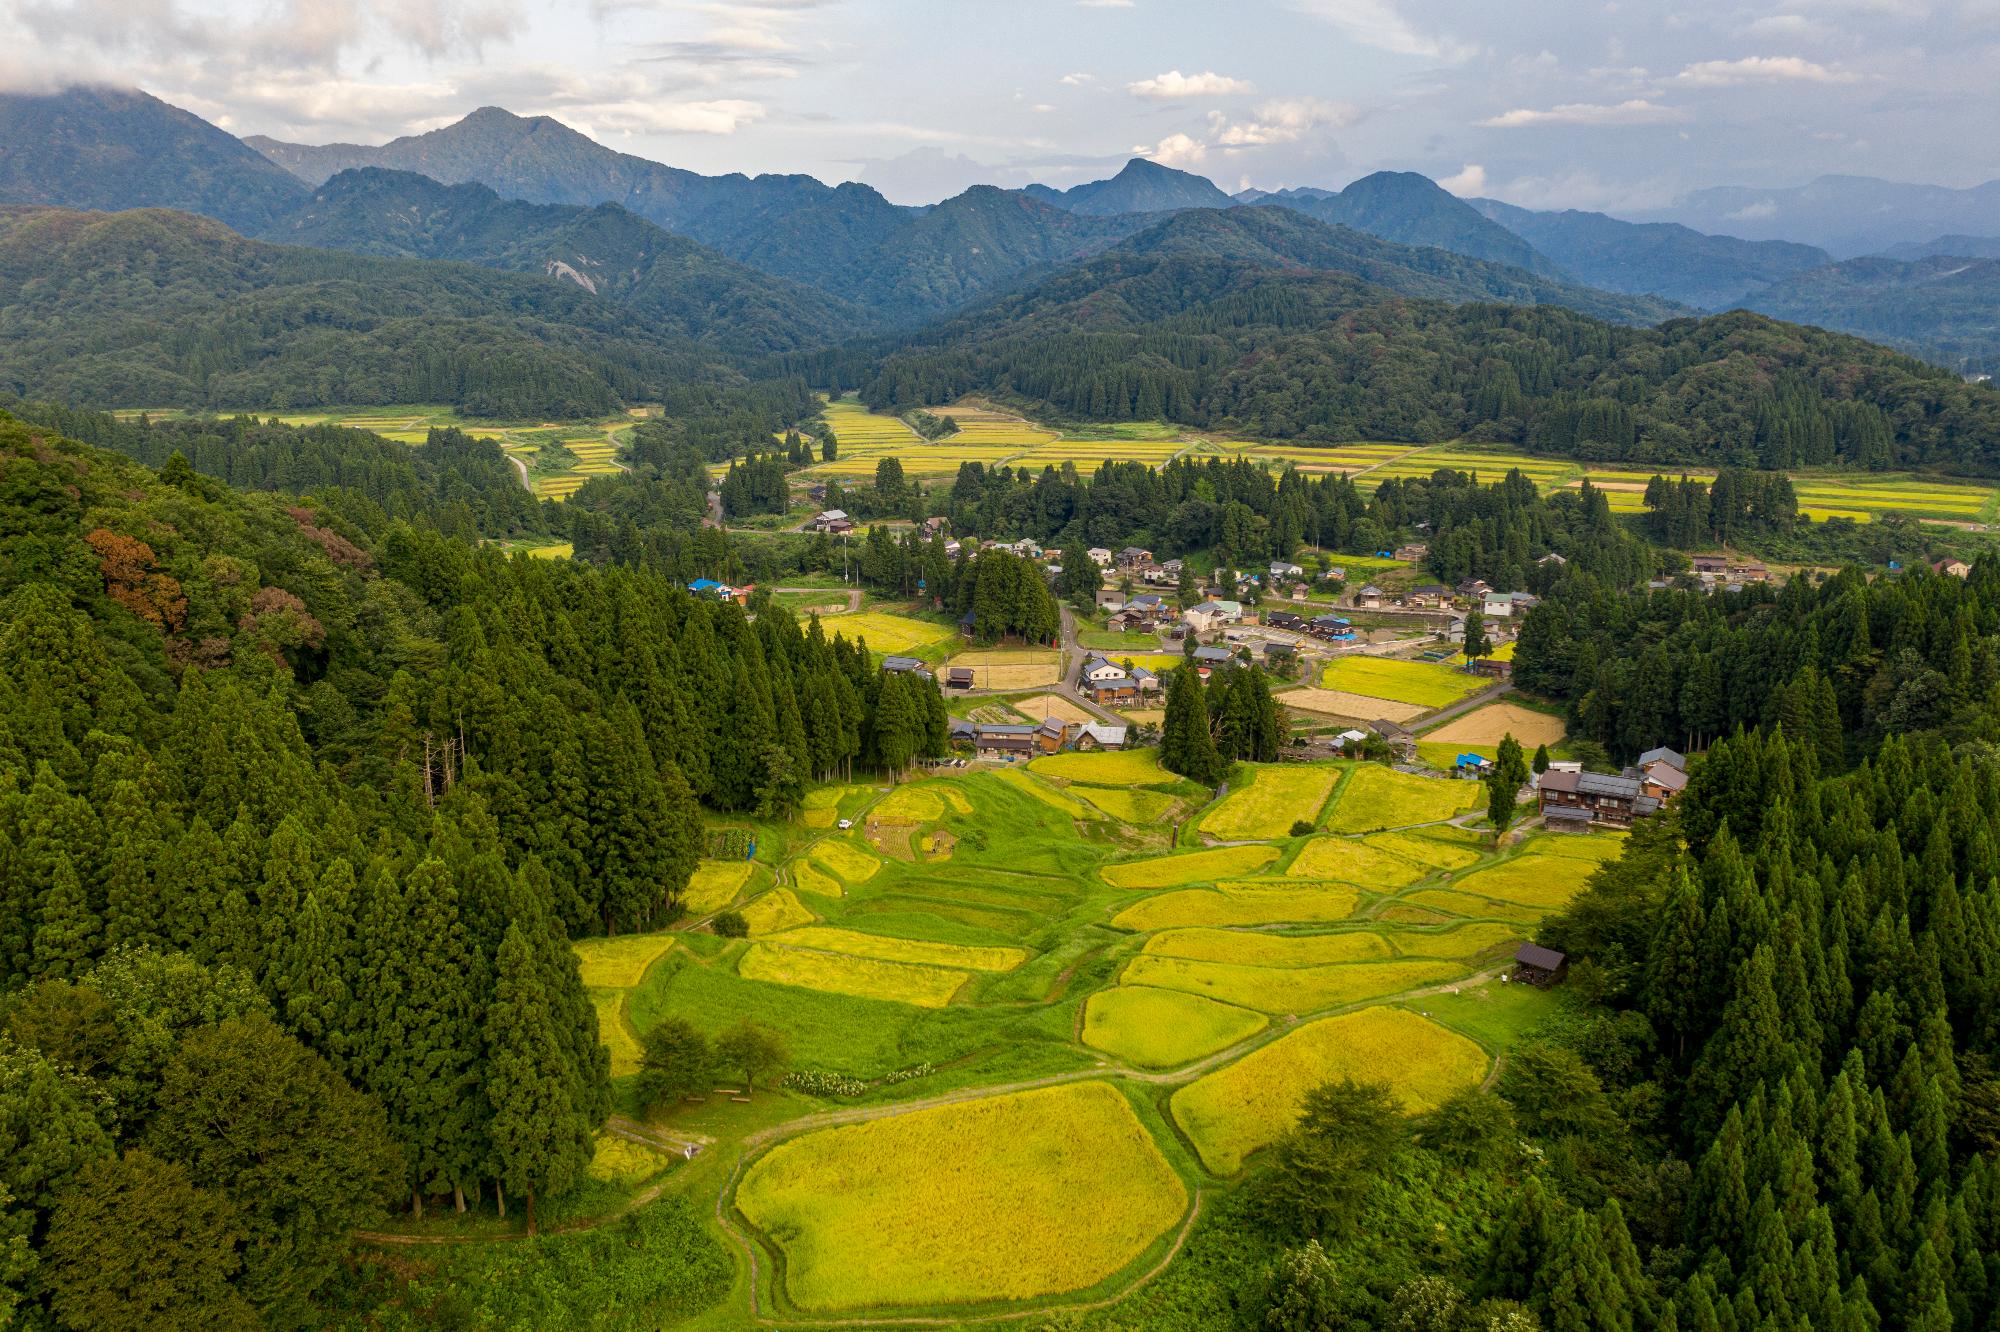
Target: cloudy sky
[[1614, 104]]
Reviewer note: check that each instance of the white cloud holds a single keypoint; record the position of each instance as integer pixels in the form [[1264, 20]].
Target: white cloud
[[1638, 111], [1470, 182], [1759, 69], [1285, 120], [1174, 85], [1377, 23], [724, 116], [1176, 150], [1076, 80]]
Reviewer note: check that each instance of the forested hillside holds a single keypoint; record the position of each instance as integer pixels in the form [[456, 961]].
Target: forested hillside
[[675, 286], [154, 308], [1943, 308], [1162, 327]]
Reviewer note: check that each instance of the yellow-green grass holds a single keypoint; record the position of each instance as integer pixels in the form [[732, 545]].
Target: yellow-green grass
[[856, 944], [774, 911], [888, 633], [1421, 683], [1005, 1198], [812, 879], [1242, 904], [1356, 862], [1253, 948], [1530, 879], [845, 859], [978, 426], [1459, 944], [616, 1160], [838, 973], [1194, 867], [1465, 904], [1250, 1104], [619, 963], [923, 461], [715, 885], [614, 1033], [1163, 1028], [1272, 799], [1287, 989], [559, 550], [1376, 797], [1429, 849], [1045, 793], [1123, 767], [1130, 806]]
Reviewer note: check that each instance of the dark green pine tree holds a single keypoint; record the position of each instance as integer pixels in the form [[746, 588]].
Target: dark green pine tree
[[133, 853], [69, 933], [541, 1143], [1476, 644], [1186, 747], [1503, 788]]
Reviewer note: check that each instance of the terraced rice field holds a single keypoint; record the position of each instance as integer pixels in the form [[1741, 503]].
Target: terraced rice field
[[1012, 1197], [1130, 806], [854, 425], [1358, 707], [856, 944], [1287, 989], [775, 911], [715, 885], [1489, 467], [839, 973], [1423, 684], [1194, 867], [1354, 861], [978, 426], [891, 634], [1253, 903], [921, 802], [1531, 879], [614, 1032], [1248, 948], [846, 860], [619, 963], [1264, 801], [1437, 848], [1344, 458], [1375, 797], [1127, 767], [1163, 1028], [1248, 1105], [1045, 793]]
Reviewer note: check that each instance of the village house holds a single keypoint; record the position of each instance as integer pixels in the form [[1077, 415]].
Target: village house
[[1413, 552], [1280, 569], [1493, 668], [1282, 619], [1099, 668], [1955, 568], [1750, 571], [1096, 735], [906, 666], [1133, 556], [951, 549], [1208, 659], [1539, 966], [1100, 557], [1280, 654], [1430, 596], [1400, 739], [958, 677], [1709, 566], [1501, 605], [1552, 558], [834, 522], [1161, 575], [1147, 681], [1332, 628], [1004, 742], [1205, 618], [1115, 688], [1369, 598], [1051, 735], [1472, 589], [934, 527], [1572, 800]]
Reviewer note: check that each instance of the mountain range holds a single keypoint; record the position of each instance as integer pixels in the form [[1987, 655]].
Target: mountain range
[[1845, 215], [775, 263]]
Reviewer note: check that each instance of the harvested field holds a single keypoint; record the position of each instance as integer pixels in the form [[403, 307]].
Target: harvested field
[[1494, 722], [1358, 707], [1044, 706], [1011, 668]]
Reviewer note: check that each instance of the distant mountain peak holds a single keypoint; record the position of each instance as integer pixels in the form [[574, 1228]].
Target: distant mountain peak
[[1141, 186]]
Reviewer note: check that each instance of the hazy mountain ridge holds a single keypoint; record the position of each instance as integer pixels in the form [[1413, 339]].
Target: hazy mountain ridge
[[1944, 308]]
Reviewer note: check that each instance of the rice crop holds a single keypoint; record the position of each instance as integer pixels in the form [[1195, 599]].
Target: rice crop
[[1272, 799], [866, 978], [1194, 867], [1163, 1028]]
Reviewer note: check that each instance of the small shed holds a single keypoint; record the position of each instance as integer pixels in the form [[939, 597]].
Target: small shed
[[1538, 965]]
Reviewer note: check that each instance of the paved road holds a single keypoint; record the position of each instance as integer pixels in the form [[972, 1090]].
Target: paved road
[[1073, 658]]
